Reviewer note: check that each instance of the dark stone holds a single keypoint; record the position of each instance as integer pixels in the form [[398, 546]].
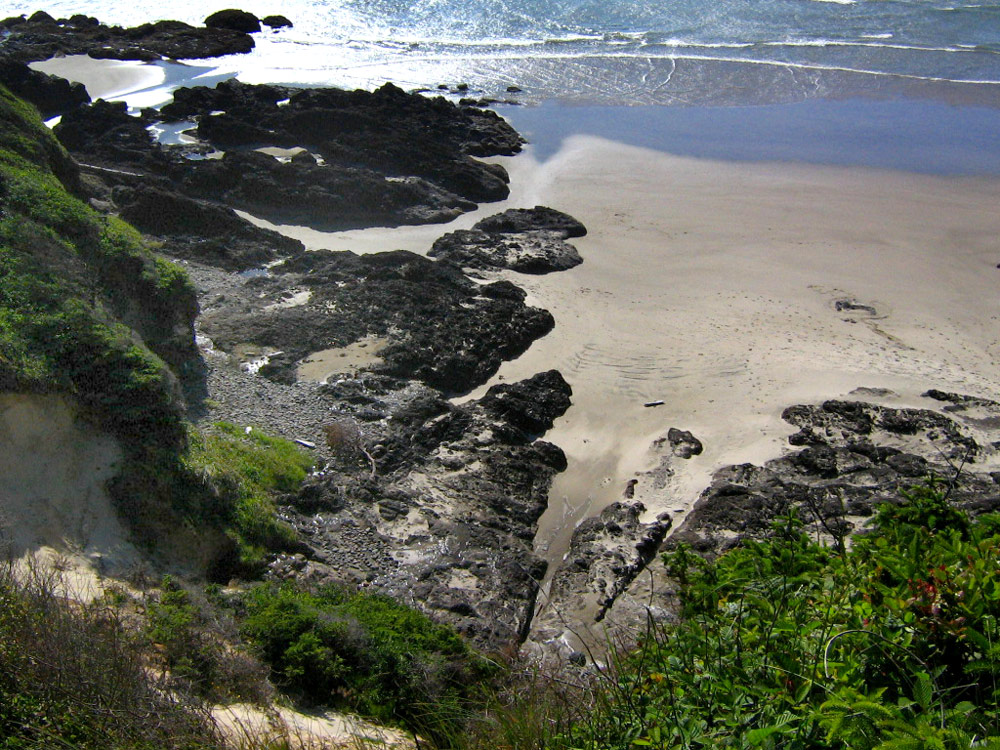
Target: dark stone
[[235, 20], [534, 252], [452, 469], [847, 468], [530, 405], [197, 230], [683, 443], [441, 329], [40, 37], [607, 552], [276, 22], [516, 220], [50, 94]]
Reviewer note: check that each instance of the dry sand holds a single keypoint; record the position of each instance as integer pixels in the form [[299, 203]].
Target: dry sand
[[713, 287]]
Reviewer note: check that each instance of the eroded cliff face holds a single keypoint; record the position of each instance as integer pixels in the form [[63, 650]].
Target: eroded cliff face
[[53, 498]]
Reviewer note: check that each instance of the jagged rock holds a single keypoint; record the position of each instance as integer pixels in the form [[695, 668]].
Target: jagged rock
[[105, 132], [371, 159], [299, 192], [683, 443], [526, 240], [447, 522], [856, 455], [517, 220], [51, 94], [236, 20], [201, 231], [605, 554], [533, 252], [41, 36], [440, 327], [530, 405]]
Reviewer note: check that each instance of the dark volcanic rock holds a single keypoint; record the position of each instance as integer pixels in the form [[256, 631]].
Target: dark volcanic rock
[[856, 455], [302, 192], [276, 22], [683, 443], [606, 553], [388, 130], [51, 94], [358, 159], [196, 230], [446, 522], [440, 326], [40, 37], [533, 252], [237, 20], [526, 240], [532, 404], [517, 220], [104, 131]]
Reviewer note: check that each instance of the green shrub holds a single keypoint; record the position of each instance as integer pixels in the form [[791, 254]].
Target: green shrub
[[365, 653], [785, 644], [247, 469], [73, 676]]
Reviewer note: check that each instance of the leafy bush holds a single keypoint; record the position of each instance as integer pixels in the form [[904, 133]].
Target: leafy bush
[[783, 643], [247, 469], [365, 653], [73, 676], [199, 649]]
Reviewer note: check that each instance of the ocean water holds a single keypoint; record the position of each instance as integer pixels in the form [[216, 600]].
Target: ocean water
[[902, 84], [672, 52]]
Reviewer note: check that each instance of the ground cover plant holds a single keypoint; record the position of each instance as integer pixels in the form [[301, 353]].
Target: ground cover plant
[[75, 676], [890, 644], [366, 653]]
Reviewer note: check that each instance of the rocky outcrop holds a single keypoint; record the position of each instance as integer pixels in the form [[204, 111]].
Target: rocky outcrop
[[440, 327], [442, 511], [344, 159], [237, 20], [276, 22], [539, 218], [50, 94], [201, 231], [853, 456], [41, 36], [605, 555], [524, 240]]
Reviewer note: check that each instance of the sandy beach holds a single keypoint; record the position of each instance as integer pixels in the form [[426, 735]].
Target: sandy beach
[[714, 287], [727, 290]]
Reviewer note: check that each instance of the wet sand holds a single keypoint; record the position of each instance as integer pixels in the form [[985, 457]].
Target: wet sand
[[713, 286]]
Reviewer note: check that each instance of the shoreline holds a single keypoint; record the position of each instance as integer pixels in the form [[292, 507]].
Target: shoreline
[[713, 286]]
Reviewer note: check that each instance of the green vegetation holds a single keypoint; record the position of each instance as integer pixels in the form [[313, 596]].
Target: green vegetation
[[365, 653], [87, 310], [75, 677], [198, 647], [247, 469], [784, 643], [73, 284]]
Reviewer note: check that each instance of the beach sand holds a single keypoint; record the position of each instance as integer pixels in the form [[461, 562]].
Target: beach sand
[[714, 287], [104, 79]]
